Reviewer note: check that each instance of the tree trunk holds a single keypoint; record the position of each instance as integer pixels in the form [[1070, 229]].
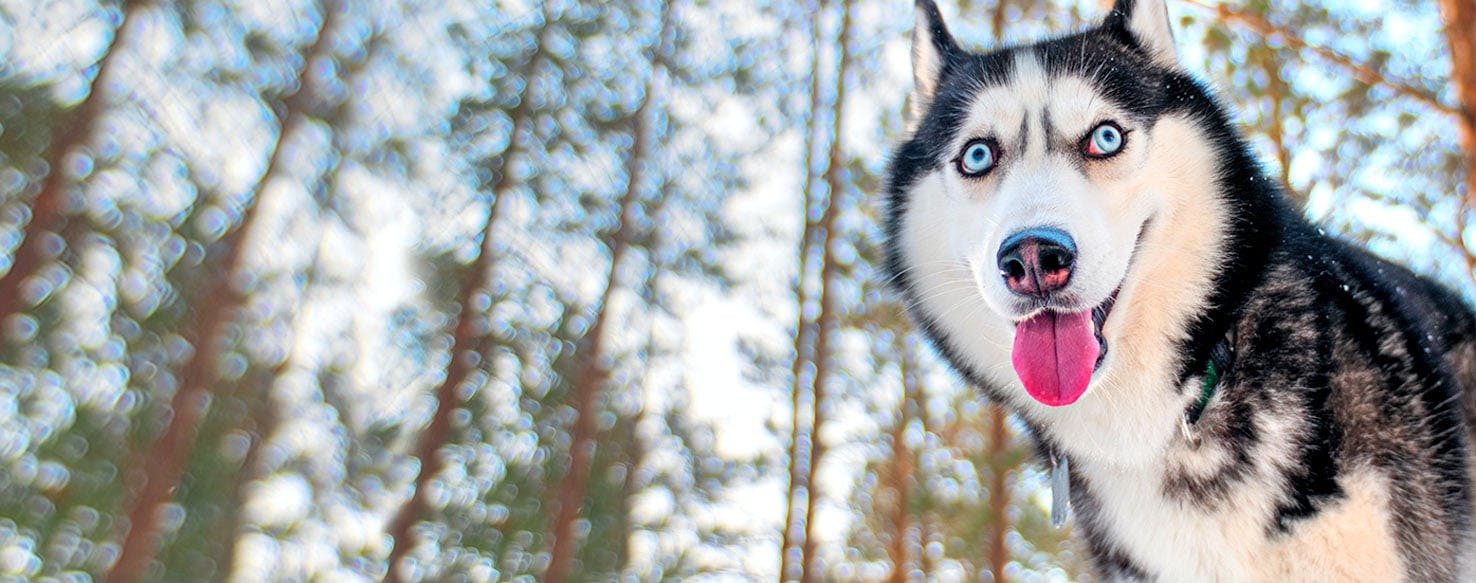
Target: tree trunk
[[48, 212], [803, 328], [638, 448], [999, 497], [999, 492], [634, 453], [903, 465], [1277, 91], [826, 321], [589, 380], [998, 24], [925, 561], [466, 338], [162, 468], [1460, 31]]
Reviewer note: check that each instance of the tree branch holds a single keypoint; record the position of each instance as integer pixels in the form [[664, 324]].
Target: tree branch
[[1363, 72], [1460, 32], [999, 492], [263, 420], [589, 381], [1276, 90]]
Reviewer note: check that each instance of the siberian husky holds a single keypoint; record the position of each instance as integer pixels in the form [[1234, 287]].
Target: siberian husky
[[1082, 233]]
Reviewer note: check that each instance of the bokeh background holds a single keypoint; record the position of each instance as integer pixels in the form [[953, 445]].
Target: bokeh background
[[343, 290]]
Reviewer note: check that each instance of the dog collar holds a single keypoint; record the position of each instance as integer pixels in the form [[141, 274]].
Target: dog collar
[[1218, 361], [1206, 391]]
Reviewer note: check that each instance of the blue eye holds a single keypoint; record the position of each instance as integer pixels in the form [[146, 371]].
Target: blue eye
[[1107, 139], [977, 158]]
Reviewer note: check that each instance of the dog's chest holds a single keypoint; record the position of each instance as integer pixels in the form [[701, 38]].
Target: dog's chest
[[1231, 535]]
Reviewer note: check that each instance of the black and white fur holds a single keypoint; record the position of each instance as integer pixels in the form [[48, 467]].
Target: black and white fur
[[1336, 443]]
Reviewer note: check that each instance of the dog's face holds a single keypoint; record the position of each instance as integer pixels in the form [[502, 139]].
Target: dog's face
[[1031, 181]]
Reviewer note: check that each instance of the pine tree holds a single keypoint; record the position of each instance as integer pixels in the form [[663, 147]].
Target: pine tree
[[468, 332], [590, 378], [801, 388], [162, 467]]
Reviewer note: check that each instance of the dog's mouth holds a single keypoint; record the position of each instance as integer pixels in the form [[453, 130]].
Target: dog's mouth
[[1056, 352], [1099, 323], [1058, 348]]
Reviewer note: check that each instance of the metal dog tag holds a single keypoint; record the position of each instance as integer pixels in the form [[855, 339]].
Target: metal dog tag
[[1060, 490]]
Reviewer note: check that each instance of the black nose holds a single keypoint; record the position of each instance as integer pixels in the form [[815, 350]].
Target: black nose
[[1037, 261]]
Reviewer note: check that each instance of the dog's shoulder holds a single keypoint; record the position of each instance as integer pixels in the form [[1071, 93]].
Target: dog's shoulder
[[1442, 319]]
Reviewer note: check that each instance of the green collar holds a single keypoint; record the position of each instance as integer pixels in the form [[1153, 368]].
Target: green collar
[[1206, 392], [1219, 359]]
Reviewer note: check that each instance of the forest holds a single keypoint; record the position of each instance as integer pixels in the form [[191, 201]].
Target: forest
[[340, 290]]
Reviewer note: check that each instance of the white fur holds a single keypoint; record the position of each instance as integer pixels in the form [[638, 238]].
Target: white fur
[[1350, 541]]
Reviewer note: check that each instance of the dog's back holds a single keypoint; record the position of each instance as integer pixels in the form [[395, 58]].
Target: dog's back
[[1448, 322], [1446, 316]]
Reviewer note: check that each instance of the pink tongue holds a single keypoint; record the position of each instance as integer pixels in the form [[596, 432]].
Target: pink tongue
[[1054, 355]]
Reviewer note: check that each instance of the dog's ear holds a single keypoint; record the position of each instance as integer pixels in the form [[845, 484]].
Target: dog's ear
[[932, 47], [1146, 25]]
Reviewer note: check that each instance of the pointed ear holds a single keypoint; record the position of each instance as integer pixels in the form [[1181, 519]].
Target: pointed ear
[[932, 47], [1146, 23]]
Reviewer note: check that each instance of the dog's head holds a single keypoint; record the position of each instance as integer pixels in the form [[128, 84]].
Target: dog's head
[[1053, 210]]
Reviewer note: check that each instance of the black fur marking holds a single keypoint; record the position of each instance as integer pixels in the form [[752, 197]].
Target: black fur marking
[[1261, 220], [1114, 70], [929, 146], [1122, 12], [1024, 134], [1117, 25], [1047, 130], [1425, 442], [1313, 479]]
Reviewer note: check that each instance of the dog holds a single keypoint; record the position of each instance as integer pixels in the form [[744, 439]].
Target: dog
[[1079, 229]]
